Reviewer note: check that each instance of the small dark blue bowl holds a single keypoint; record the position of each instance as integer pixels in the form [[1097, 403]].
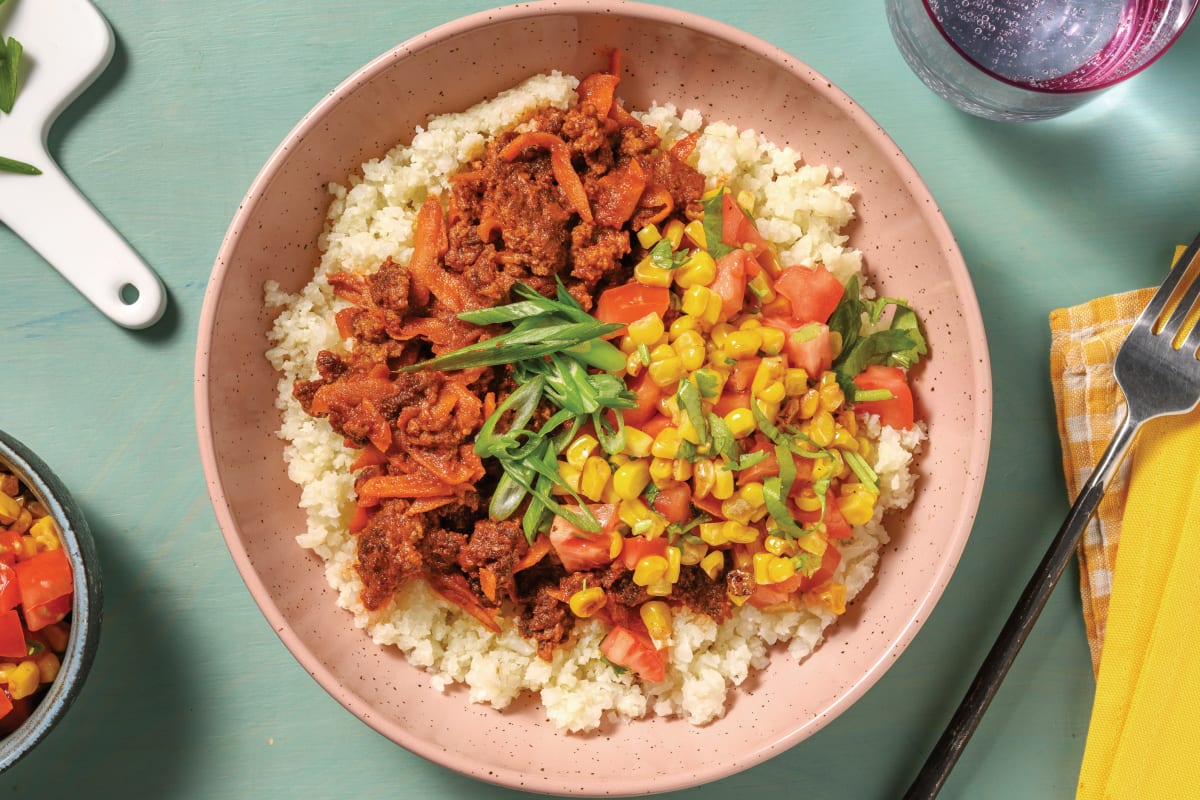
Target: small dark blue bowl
[[86, 611]]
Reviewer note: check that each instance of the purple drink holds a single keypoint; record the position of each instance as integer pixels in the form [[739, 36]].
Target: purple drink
[[1031, 59]]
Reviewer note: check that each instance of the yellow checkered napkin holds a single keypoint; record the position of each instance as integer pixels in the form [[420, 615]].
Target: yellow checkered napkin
[[1138, 598]]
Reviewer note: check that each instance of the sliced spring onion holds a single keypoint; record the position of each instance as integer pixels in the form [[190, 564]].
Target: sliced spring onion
[[870, 395], [862, 469]]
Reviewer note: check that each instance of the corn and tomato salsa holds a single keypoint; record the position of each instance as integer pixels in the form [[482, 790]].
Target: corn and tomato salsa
[[35, 601]]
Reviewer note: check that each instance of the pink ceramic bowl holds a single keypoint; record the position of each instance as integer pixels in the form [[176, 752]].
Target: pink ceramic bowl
[[669, 56]]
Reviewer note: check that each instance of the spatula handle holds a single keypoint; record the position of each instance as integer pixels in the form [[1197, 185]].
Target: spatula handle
[[945, 754]]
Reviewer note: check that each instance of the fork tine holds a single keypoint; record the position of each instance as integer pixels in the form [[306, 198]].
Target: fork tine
[[1159, 301], [1184, 309]]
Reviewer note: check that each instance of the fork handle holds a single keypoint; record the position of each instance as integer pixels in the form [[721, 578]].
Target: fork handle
[[941, 760]]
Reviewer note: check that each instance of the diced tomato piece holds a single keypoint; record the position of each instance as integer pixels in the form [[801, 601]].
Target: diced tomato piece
[[648, 394], [10, 591], [766, 468], [631, 302], [44, 577], [730, 282], [829, 562], [739, 230], [6, 707], [634, 649], [897, 412], [674, 502], [742, 376], [38, 617], [12, 635], [638, 547], [812, 293], [772, 594], [729, 400], [579, 550], [836, 526], [709, 505], [814, 354], [10, 545], [655, 425]]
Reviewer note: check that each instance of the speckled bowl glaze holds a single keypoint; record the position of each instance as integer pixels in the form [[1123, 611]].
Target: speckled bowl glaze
[[669, 56], [86, 612]]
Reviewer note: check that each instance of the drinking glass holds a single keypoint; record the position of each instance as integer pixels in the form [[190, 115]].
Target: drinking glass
[[1032, 59]]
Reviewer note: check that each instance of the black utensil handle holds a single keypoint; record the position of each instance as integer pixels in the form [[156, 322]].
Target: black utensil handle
[[941, 760]]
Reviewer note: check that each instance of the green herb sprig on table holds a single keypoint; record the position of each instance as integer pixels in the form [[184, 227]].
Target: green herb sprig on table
[[551, 345], [10, 65]]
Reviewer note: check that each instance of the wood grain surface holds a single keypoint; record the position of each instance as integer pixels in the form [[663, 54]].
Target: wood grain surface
[[193, 696]]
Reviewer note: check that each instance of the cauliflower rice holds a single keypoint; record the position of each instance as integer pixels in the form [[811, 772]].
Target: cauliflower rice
[[799, 207]]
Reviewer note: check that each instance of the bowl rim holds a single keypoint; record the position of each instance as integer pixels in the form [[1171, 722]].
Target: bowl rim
[[87, 610], [980, 369]]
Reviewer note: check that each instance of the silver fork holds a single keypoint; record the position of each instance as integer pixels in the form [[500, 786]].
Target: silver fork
[[1158, 380]]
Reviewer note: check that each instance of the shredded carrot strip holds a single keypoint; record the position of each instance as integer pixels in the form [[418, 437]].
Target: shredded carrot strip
[[404, 486], [454, 588], [658, 197], [614, 61], [623, 117], [598, 89], [369, 456], [487, 583], [537, 551], [683, 148], [560, 161], [362, 516], [427, 504], [618, 192]]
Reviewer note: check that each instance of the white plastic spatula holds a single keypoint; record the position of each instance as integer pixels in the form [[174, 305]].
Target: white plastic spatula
[[67, 45]]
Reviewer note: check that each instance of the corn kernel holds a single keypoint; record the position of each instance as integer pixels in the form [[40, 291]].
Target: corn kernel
[[766, 294], [616, 544], [807, 501], [713, 564], [668, 406], [740, 422], [745, 201], [812, 542], [828, 466], [594, 477], [681, 470], [650, 570], [831, 394], [695, 300], [24, 680], [647, 330], [768, 410], [704, 477], [682, 324], [714, 310], [692, 550], [648, 273], [844, 440], [738, 533], [738, 509], [775, 545], [772, 340], [587, 602], [674, 561], [773, 392], [666, 372], [10, 509], [637, 442], [687, 431], [648, 236], [795, 382], [759, 565], [656, 616], [720, 333], [45, 532], [698, 270], [660, 588], [743, 343], [570, 475], [674, 233], [858, 505], [713, 533], [694, 231], [666, 444], [634, 364], [722, 488], [631, 480], [810, 401], [820, 428], [832, 597], [660, 469], [769, 370], [752, 493], [780, 569], [581, 449]]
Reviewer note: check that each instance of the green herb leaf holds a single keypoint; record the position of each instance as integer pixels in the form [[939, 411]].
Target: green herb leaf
[[689, 400], [846, 319], [19, 167], [905, 319], [745, 461], [873, 349], [714, 225], [10, 69], [651, 491], [664, 257], [723, 441], [707, 382]]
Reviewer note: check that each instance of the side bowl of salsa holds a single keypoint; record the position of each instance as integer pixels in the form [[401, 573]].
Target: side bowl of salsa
[[51, 600]]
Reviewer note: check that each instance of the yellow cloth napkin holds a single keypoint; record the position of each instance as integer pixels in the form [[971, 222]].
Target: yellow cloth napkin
[[1137, 598]]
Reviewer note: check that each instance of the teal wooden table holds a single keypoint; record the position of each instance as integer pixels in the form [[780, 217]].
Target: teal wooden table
[[193, 696]]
